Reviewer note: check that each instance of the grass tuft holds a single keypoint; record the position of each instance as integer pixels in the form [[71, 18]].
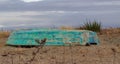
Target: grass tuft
[[93, 26]]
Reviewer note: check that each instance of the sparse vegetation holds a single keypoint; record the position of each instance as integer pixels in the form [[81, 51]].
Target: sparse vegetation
[[4, 34], [66, 28], [93, 26], [103, 53]]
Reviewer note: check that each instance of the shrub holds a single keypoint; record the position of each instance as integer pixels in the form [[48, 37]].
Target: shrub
[[93, 26]]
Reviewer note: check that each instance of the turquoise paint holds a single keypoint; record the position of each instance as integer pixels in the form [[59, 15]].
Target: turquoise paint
[[54, 37]]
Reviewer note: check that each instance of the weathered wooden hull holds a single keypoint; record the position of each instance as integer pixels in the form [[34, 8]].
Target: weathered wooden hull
[[53, 36]]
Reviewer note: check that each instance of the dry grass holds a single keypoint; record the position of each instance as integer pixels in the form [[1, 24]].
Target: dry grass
[[4, 34], [2, 41], [3, 38], [110, 31], [66, 28]]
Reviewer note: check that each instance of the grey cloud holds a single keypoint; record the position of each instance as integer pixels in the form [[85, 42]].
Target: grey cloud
[[58, 12], [58, 18], [53, 5]]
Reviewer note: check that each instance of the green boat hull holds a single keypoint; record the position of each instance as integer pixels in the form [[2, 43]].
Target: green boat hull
[[53, 36]]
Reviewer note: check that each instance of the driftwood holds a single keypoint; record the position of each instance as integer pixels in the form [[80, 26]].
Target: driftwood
[[42, 43]]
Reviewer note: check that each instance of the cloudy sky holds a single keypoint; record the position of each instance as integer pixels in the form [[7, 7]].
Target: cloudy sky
[[19, 13]]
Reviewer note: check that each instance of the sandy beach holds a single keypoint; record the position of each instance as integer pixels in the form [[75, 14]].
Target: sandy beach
[[107, 52]]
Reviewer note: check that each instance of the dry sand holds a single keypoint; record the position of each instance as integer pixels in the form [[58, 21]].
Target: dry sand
[[107, 52]]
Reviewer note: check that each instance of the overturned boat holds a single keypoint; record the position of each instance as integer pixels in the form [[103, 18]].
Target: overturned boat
[[52, 37]]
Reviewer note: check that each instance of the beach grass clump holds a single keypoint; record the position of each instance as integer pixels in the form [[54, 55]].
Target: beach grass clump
[[92, 26]]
